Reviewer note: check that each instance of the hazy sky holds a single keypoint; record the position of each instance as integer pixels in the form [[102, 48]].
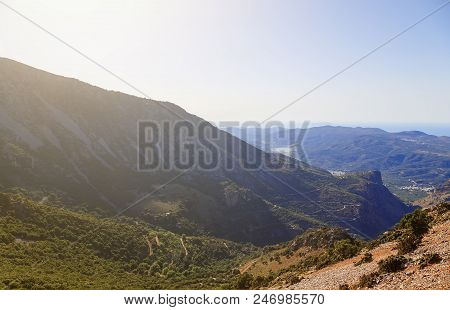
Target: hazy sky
[[243, 60]]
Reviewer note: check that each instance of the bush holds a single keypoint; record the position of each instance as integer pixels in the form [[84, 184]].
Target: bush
[[344, 249], [261, 281], [367, 258], [319, 237], [407, 243], [6, 237], [4, 201], [244, 281], [429, 259], [344, 286], [443, 208], [413, 226], [368, 280], [293, 279], [247, 281], [393, 263], [417, 222]]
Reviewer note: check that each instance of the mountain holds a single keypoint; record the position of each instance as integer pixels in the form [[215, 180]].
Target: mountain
[[65, 140], [410, 161]]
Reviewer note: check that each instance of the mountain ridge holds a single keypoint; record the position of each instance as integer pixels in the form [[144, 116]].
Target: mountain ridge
[[411, 162], [64, 135]]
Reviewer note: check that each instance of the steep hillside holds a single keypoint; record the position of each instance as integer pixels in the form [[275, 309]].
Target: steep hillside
[[426, 267], [413, 255], [45, 246], [71, 139]]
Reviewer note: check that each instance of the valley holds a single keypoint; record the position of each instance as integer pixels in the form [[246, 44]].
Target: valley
[[412, 163], [77, 212], [79, 142]]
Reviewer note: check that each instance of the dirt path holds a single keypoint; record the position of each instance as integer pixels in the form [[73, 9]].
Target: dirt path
[[149, 245], [247, 266], [184, 247]]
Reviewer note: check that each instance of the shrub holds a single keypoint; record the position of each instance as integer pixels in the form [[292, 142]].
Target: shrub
[[412, 226], [4, 200], [244, 281], [261, 281], [278, 259], [407, 243], [368, 280], [429, 259], [6, 237], [320, 237], [443, 208], [344, 249], [393, 263], [344, 286], [417, 222], [143, 268], [293, 279], [367, 258]]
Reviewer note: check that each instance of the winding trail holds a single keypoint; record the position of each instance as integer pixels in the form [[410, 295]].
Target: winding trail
[[149, 245], [184, 247]]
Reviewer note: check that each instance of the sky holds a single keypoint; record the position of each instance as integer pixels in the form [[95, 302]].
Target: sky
[[245, 60]]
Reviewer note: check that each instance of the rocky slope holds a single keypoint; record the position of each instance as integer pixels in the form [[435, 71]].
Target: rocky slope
[[427, 267]]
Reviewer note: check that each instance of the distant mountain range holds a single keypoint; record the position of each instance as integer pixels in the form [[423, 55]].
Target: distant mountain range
[[408, 160], [67, 140]]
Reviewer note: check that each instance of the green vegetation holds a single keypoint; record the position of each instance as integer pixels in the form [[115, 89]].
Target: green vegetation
[[344, 286], [366, 258], [320, 238], [313, 249], [429, 259], [416, 223], [334, 245], [413, 226], [368, 280], [408, 232], [293, 278], [244, 282], [45, 247], [407, 243], [344, 249], [392, 263], [443, 207], [247, 281]]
